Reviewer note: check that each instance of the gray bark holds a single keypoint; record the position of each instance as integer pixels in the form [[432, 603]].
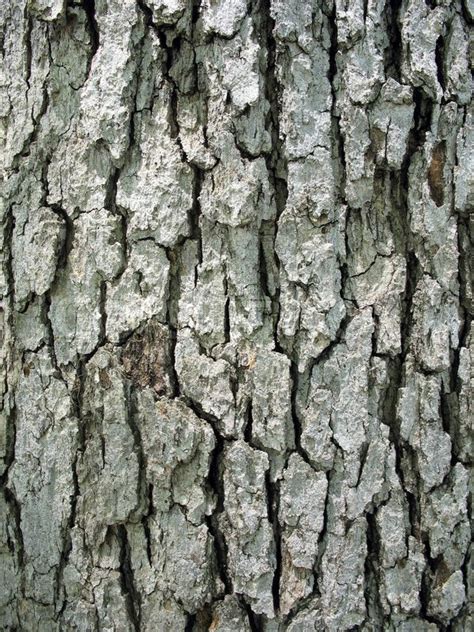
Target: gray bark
[[236, 285]]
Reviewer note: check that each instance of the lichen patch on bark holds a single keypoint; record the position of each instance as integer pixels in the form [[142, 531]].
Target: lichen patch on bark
[[235, 319]]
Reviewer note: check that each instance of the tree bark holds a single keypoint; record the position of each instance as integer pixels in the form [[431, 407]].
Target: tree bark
[[236, 315]]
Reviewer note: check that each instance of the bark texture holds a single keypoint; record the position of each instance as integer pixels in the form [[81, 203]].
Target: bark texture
[[236, 315]]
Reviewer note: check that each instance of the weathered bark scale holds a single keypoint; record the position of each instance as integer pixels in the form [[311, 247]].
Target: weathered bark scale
[[236, 292]]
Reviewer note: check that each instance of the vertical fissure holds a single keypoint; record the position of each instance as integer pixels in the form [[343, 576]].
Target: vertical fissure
[[93, 28], [132, 413], [372, 577], [174, 291], [439, 57], [273, 506], [127, 579], [146, 525], [337, 138], [227, 323], [248, 428], [393, 50], [28, 46], [298, 380], [77, 398], [195, 215], [400, 186], [255, 621], [190, 623], [276, 162], [216, 485]]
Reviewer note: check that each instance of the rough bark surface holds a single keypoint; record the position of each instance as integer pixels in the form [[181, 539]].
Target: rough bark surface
[[236, 315]]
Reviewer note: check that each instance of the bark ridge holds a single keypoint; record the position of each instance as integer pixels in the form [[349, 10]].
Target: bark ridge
[[236, 293]]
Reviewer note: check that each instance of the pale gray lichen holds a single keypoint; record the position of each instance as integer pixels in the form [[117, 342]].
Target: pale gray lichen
[[236, 369]]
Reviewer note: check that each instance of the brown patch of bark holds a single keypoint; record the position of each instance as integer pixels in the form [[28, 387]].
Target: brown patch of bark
[[436, 175], [146, 358]]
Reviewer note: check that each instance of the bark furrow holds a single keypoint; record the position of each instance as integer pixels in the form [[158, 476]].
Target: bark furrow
[[236, 305]]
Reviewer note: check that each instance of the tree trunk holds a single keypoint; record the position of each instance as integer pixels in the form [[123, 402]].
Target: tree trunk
[[236, 308]]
